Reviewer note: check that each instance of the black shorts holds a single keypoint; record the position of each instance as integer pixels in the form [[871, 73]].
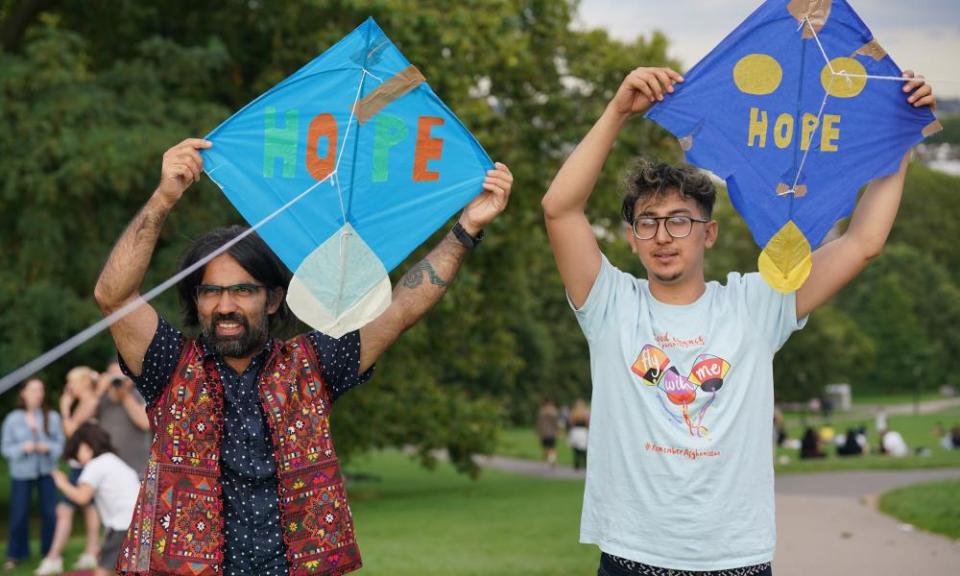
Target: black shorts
[[614, 566], [548, 443]]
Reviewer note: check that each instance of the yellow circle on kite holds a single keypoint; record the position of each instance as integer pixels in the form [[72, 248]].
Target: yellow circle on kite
[[757, 74], [785, 261], [840, 86]]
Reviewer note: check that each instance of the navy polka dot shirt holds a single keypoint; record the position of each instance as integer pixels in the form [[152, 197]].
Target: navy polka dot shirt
[[254, 544]]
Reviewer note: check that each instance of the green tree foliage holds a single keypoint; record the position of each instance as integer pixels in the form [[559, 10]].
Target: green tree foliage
[[93, 92], [950, 133]]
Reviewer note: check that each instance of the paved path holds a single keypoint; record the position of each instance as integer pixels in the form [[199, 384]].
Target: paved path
[[827, 525]]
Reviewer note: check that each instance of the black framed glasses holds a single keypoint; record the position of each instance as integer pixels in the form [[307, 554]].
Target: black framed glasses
[[646, 227], [210, 292]]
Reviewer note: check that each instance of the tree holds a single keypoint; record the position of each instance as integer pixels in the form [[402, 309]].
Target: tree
[[87, 115]]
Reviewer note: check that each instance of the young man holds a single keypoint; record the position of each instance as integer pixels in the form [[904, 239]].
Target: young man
[[242, 476], [680, 476]]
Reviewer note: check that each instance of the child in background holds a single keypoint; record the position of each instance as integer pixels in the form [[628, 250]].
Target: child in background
[[107, 479]]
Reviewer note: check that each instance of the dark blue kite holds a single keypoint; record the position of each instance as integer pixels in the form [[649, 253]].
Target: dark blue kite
[[796, 110]]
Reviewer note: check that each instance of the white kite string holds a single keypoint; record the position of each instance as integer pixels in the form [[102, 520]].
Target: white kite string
[[833, 75], [65, 347]]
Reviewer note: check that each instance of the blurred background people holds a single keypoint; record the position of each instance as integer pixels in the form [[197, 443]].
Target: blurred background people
[[78, 404], [121, 413], [106, 481], [548, 425], [32, 441], [850, 444], [893, 444], [811, 445], [578, 433]]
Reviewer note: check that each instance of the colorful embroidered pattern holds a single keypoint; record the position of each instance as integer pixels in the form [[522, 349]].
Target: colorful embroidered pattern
[[178, 523], [318, 527]]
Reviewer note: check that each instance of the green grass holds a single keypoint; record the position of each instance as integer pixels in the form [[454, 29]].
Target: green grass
[[524, 443], [867, 399], [418, 522], [917, 431], [934, 507], [412, 521]]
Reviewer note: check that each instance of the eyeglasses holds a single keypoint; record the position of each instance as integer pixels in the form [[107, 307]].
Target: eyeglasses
[[211, 292], [646, 227]]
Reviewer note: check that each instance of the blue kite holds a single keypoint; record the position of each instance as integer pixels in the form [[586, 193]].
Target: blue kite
[[353, 161], [796, 109]]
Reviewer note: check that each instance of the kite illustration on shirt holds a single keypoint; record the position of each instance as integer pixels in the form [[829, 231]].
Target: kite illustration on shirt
[[706, 377], [796, 109], [374, 161]]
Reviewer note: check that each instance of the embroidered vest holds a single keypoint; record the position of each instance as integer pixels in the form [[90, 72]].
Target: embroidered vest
[[177, 525]]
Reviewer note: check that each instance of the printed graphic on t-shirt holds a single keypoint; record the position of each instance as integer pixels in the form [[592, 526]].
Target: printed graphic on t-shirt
[[704, 380]]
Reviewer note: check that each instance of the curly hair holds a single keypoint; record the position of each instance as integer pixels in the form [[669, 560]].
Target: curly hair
[[658, 179]]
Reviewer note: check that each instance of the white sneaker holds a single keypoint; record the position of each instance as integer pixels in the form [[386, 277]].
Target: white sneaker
[[49, 567], [86, 561]]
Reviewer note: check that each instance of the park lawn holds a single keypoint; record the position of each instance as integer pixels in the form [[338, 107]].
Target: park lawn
[[870, 399], [418, 522], [917, 431], [523, 443], [412, 521], [933, 506]]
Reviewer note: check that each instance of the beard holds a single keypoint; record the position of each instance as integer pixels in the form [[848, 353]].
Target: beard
[[668, 279], [241, 345]]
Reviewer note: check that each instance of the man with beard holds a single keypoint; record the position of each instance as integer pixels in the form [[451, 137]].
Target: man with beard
[[242, 476]]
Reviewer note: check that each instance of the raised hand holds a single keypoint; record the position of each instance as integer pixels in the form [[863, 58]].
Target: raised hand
[[642, 88], [921, 93], [182, 166], [489, 203]]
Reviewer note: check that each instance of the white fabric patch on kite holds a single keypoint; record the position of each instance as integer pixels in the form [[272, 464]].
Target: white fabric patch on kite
[[340, 286]]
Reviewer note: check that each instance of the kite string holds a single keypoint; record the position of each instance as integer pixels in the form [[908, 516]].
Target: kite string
[[65, 347], [81, 337], [845, 74], [833, 76]]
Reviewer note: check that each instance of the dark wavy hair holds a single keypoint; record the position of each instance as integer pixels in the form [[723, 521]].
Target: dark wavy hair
[[252, 253], [658, 179], [92, 435]]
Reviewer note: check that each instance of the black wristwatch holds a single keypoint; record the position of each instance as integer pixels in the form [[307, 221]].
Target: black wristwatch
[[465, 238]]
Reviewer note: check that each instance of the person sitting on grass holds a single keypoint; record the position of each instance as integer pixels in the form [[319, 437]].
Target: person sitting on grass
[[105, 480], [810, 446]]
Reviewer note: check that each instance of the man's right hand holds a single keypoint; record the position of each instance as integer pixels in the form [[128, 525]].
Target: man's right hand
[[641, 89], [182, 166]]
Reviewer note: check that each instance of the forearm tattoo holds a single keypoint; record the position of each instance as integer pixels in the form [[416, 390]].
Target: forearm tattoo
[[414, 276]]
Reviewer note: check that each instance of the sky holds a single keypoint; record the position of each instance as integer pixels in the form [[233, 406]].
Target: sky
[[925, 39]]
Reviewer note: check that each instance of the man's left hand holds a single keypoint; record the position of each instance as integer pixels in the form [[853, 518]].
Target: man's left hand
[[489, 203]]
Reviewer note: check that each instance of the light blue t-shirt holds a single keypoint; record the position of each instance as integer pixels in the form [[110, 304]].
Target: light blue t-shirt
[[680, 473]]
